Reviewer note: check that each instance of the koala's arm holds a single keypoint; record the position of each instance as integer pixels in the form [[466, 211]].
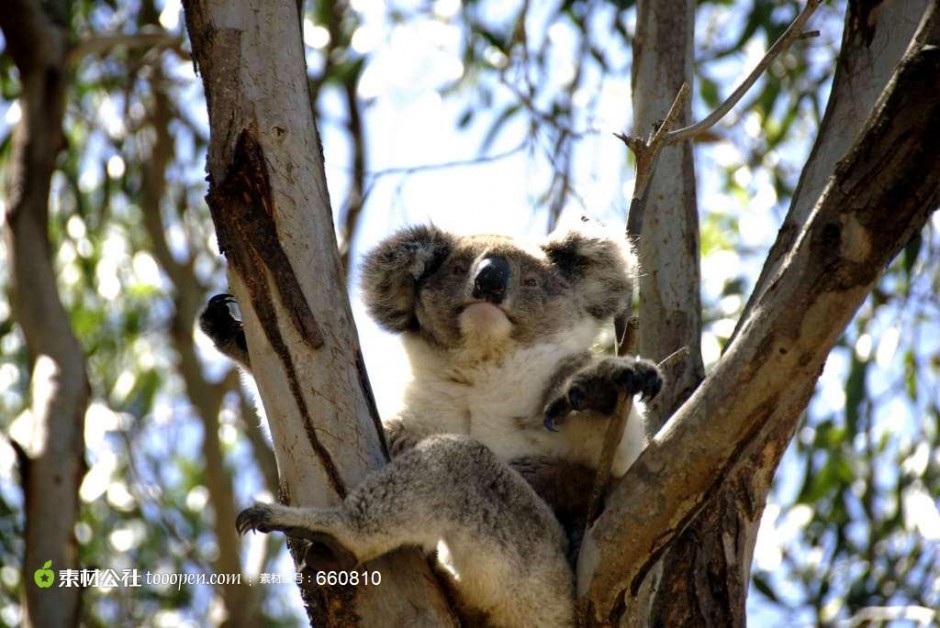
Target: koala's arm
[[583, 394], [227, 334], [450, 494]]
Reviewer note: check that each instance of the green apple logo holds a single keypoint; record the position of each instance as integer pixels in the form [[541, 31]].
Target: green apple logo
[[45, 576]]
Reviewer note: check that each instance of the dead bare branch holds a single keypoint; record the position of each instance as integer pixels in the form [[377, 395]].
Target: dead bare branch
[[794, 32], [612, 438], [618, 420]]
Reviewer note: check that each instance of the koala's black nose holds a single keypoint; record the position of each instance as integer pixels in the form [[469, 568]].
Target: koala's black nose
[[492, 279]]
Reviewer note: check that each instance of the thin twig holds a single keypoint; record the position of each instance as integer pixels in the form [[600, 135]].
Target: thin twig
[[677, 356], [373, 177], [102, 44], [625, 333], [794, 32], [612, 437], [444, 165]]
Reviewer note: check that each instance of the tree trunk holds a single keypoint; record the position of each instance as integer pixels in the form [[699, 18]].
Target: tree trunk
[[667, 231], [52, 463], [715, 457], [271, 210]]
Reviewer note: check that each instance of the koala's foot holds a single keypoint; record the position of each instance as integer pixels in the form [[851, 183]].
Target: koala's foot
[[225, 331], [294, 522], [258, 518], [596, 386], [326, 551]]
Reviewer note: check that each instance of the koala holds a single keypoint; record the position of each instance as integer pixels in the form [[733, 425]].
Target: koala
[[503, 381]]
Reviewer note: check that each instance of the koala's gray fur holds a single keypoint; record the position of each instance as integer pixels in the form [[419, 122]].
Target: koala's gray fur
[[499, 335], [498, 542]]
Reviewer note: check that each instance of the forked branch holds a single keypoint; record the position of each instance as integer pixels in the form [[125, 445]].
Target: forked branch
[[647, 151]]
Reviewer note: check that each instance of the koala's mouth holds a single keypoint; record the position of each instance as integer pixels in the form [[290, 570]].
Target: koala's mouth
[[486, 306], [482, 315]]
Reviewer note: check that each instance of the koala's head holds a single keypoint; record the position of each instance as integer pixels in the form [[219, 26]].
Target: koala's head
[[485, 290]]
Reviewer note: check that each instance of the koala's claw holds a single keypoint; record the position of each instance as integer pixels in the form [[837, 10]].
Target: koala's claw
[[644, 379], [218, 306], [223, 298], [555, 412], [634, 376], [577, 396], [257, 517], [597, 386], [220, 322]]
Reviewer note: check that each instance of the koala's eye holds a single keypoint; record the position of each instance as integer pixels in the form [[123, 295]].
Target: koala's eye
[[458, 269], [530, 281]]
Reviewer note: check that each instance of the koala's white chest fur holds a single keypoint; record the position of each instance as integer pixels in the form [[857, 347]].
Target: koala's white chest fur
[[497, 401]]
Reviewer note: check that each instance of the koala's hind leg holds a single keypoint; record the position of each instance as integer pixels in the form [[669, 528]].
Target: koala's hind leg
[[388, 510], [499, 541]]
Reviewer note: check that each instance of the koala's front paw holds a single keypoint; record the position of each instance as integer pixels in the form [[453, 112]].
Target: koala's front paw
[[596, 387], [217, 321], [258, 517], [225, 331]]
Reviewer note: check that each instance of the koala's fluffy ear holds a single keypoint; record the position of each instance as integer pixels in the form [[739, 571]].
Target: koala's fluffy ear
[[602, 269], [391, 272]]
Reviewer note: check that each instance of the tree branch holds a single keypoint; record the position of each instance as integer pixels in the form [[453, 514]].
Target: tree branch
[[612, 436], [647, 154], [851, 236], [101, 44], [52, 462], [24, 23], [793, 32], [457, 163]]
